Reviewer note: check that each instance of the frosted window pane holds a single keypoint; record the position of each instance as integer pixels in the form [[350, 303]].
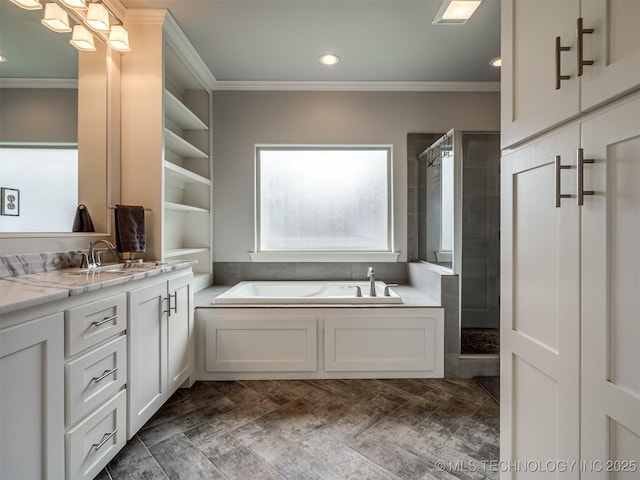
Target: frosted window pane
[[324, 199]]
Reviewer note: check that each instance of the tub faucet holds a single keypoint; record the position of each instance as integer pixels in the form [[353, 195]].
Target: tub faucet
[[372, 282]]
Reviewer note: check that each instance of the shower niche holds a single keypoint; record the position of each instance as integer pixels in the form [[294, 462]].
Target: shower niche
[[458, 226]]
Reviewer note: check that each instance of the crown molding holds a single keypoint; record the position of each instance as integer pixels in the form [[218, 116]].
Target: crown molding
[[358, 86], [153, 16], [187, 52], [38, 83]]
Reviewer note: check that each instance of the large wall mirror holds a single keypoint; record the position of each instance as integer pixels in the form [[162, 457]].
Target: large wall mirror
[[54, 118]]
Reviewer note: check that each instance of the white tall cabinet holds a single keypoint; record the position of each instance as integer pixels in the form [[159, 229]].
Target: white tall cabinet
[[167, 140], [570, 334]]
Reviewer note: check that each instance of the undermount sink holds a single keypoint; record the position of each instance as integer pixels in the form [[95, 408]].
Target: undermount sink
[[121, 267]]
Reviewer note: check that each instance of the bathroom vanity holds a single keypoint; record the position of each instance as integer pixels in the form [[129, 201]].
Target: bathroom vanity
[[86, 357]]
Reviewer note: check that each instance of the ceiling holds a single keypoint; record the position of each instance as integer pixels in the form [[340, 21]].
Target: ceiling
[[376, 40], [264, 42]]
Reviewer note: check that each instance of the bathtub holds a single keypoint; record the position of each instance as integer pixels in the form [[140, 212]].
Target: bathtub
[[306, 292]]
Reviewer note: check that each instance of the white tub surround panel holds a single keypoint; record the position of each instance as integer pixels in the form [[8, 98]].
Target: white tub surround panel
[[278, 342]]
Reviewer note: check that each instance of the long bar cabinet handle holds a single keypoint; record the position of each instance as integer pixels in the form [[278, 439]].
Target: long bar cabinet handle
[[581, 61], [97, 323], [105, 439], [559, 168], [175, 304], [581, 191], [104, 375], [559, 76]]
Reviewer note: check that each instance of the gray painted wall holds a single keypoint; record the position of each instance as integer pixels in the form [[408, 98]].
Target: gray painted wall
[[38, 115], [243, 119]]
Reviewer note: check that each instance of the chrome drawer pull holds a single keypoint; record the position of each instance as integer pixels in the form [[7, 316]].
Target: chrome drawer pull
[[105, 439], [97, 323], [560, 167], [104, 375]]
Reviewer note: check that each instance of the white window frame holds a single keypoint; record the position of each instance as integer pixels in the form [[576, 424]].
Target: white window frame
[[387, 255]]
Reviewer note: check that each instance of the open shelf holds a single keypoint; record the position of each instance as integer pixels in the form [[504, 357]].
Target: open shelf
[[181, 175], [181, 252], [179, 145], [179, 207], [180, 113]]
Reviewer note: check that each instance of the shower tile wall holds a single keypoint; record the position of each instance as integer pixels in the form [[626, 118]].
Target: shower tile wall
[[480, 231]]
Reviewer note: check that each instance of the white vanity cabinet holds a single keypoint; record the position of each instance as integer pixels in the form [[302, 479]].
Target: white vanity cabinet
[[160, 354], [65, 378], [543, 80], [32, 397], [95, 379]]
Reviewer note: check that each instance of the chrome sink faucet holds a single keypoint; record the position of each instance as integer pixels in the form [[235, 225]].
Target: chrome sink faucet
[[94, 256], [372, 282]]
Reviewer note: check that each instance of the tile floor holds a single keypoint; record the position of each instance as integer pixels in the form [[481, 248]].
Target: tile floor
[[324, 429]]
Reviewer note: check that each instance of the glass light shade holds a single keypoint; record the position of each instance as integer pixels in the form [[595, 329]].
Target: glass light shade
[[55, 18], [82, 39], [28, 4], [119, 39], [98, 17], [78, 4]]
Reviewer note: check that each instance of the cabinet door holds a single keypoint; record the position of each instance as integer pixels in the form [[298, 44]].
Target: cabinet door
[[539, 314], [611, 291], [614, 48], [32, 399], [179, 332], [147, 354], [530, 101]]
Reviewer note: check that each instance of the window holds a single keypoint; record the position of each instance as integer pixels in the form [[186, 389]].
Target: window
[[323, 199]]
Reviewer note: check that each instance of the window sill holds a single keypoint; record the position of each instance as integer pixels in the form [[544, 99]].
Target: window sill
[[324, 256]]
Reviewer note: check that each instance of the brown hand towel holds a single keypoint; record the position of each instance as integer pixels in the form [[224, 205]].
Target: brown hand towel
[[130, 235], [82, 221]]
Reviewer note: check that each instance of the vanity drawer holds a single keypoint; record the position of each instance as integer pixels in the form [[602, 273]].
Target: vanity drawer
[[94, 377], [95, 441], [90, 324]]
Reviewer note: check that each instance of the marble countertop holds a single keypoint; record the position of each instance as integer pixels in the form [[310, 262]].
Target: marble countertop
[[29, 290], [411, 297]]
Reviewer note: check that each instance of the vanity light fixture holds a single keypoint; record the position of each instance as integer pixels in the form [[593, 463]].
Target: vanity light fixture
[[98, 17], [119, 39], [496, 62], [455, 12], [75, 4], [28, 4], [82, 39], [329, 59], [56, 18]]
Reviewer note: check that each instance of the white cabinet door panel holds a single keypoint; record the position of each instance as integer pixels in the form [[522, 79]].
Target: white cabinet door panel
[[611, 290]]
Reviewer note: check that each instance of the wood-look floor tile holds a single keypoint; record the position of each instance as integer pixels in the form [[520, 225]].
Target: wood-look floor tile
[[342, 459], [181, 460], [234, 459], [135, 462], [393, 429]]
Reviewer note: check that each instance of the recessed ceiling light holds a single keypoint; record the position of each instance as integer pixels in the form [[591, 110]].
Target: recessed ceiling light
[[329, 59], [3, 58], [455, 12], [496, 62]]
